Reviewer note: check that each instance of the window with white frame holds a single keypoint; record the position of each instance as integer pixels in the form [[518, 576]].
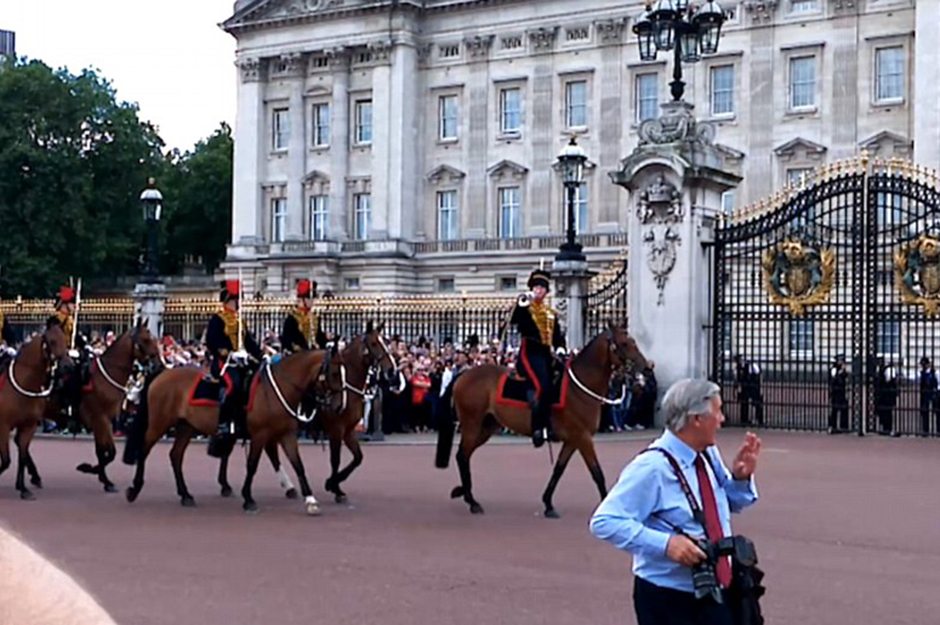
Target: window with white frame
[[446, 285], [510, 110], [889, 74], [280, 129], [319, 217], [580, 209], [363, 122], [647, 96], [278, 219], [447, 215], [576, 104], [722, 89], [803, 82], [803, 6], [888, 341], [799, 176], [801, 336], [507, 283], [362, 203], [321, 125], [510, 213], [447, 115], [727, 202]]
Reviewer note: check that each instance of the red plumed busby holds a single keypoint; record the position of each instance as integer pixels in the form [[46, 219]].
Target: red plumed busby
[[67, 295], [230, 290], [306, 288]]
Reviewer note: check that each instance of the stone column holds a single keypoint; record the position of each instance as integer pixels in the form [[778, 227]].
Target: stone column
[[149, 304], [249, 144], [926, 107], [339, 142], [296, 148], [571, 285], [473, 218], [403, 131], [381, 137], [675, 182]]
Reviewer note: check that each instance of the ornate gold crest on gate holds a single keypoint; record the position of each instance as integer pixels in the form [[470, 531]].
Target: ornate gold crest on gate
[[798, 275], [917, 273]]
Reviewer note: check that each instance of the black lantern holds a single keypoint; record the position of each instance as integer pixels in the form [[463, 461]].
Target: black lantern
[[664, 17], [689, 43], [570, 165], [709, 19], [643, 28], [151, 202]]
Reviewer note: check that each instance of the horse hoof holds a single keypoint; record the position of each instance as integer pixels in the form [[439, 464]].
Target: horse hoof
[[27, 495], [131, 494], [312, 508], [291, 493], [457, 492], [85, 468], [250, 507], [550, 513], [110, 488], [329, 487], [226, 491], [476, 508], [37, 482], [188, 501], [341, 498]]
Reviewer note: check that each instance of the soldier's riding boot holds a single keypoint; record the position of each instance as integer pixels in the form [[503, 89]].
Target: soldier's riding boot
[[541, 416]]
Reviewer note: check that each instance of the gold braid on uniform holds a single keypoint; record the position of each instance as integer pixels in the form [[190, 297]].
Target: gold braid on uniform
[[304, 322], [544, 318], [230, 317], [66, 321]]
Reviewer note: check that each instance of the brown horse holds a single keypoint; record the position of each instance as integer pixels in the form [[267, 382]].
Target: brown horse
[[167, 405], [475, 405], [24, 389]]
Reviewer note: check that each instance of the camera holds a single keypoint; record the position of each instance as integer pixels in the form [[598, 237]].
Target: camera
[[704, 579]]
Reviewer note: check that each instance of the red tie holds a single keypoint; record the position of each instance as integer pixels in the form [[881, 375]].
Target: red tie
[[712, 522]]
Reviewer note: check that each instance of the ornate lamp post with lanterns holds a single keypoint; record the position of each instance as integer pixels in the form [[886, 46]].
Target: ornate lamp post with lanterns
[[570, 164]]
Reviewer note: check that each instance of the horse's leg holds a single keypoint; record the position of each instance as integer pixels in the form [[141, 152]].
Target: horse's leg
[[104, 451], [567, 449], [292, 451], [34, 478], [352, 443], [4, 448], [184, 432], [468, 444], [586, 447], [254, 455], [150, 439], [336, 448], [23, 438], [223, 473], [290, 491]]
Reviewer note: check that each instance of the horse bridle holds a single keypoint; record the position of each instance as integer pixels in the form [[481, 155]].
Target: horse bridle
[[298, 413]]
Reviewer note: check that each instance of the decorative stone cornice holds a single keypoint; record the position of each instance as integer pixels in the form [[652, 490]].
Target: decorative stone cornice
[[543, 39], [251, 69], [445, 174], [810, 149], [845, 6], [478, 47], [610, 32], [424, 51], [676, 124], [508, 168], [760, 10], [288, 65], [381, 50], [339, 57], [887, 143]]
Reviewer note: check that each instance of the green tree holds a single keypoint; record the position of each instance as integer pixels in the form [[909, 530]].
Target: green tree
[[73, 161]]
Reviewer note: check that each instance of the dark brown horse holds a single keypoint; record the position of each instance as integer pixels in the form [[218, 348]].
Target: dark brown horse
[[475, 405], [167, 405], [25, 386]]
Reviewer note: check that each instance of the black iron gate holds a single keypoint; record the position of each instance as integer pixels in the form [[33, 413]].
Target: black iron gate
[[845, 263], [608, 299]]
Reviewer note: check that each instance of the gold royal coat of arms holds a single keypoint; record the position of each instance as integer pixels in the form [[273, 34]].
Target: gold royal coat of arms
[[798, 275], [917, 273]]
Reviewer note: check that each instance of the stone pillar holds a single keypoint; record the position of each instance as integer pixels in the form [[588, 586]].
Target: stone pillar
[[403, 129], [339, 143], [675, 182], [926, 76], [249, 144], [149, 303], [381, 138], [296, 148], [571, 285]]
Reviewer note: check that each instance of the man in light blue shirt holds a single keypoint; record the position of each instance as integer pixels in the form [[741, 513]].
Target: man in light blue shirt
[[648, 513]]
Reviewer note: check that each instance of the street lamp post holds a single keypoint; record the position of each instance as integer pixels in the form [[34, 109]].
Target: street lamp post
[[674, 26], [151, 202], [570, 164]]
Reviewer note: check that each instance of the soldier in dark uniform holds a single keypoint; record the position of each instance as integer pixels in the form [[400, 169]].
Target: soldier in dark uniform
[[838, 396], [65, 312], [222, 341], [71, 381], [886, 395], [541, 332], [928, 396], [301, 329], [747, 374]]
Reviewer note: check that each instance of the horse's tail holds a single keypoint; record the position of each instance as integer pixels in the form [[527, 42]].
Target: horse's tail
[[445, 431], [134, 442]]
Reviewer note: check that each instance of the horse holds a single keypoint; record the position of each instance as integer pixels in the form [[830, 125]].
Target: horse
[[473, 402], [167, 404], [24, 388]]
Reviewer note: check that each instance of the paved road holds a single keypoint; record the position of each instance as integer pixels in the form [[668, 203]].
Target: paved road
[[848, 531]]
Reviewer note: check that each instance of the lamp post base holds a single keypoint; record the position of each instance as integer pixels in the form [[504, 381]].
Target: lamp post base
[[570, 252]]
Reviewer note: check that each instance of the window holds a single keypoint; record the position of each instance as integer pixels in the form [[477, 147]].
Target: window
[[801, 338], [447, 215], [722, 90], [580, 209], [352, 284], [321, 125], [803, 82], [449, 51], [802, 6], [507, 283], [319, 217], [647, 96], [510, 111], [278, 219], [577, 34], [889, 71], [727, 202], [447, 114], [280, 129], [511, 43], [888, 341], [799, 176], [510, 213], [363, 216], [576, 104], [445, 285], [364, 122]]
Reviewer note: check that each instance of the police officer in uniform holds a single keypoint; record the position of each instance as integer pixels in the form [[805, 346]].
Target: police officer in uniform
[[886, 395], [538, 325], [928, 395], [301, 328], [749, 389], [838, 396], [222, 341]]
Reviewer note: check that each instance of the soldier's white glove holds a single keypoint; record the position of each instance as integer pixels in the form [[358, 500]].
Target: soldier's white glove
[[9, 350], [239, 357], [561, 352], [73, 354]]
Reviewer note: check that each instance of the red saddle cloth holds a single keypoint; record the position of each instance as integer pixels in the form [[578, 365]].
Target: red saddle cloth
[[205, 391], [514, 391]]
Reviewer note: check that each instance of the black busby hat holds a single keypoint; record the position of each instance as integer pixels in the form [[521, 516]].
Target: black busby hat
[[540, 277]]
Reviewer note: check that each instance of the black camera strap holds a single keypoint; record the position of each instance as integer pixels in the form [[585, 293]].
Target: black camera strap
[[697, 511]]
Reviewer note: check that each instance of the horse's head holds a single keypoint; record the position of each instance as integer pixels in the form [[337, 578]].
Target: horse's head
[[377, 352], [624, 353], [146, 347], [56, 344]]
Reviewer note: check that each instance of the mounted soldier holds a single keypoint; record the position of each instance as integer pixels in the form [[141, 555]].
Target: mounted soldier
[[541, 332], [227, 341], [301, 328], [66, 309]]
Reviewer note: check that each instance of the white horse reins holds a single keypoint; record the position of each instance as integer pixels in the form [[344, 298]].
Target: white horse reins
[[298, 413], [107, 376], [33, 395]]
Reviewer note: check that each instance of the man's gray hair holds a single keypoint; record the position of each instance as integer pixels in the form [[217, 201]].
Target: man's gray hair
[[687, 398]]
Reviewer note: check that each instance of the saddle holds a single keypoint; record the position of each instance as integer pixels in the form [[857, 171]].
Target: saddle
[[206, 391], [518, 391]]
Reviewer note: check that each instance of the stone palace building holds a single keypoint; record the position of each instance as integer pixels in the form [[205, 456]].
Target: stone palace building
[[407, 146]]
